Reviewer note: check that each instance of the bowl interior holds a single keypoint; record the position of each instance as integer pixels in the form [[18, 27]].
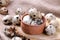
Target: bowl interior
[[43, 18]]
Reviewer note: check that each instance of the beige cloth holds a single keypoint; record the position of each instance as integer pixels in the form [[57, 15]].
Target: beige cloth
[[43, 5]]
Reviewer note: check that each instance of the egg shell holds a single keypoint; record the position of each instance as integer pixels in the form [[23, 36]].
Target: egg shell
[[7, 19], [50, 17], [50, 30], [27, 19]]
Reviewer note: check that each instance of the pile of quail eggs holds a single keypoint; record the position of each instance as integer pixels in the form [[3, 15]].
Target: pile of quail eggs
[[34, 17], [53, 24], [8, 19], [3, 6], [15, 20], [11, 33]]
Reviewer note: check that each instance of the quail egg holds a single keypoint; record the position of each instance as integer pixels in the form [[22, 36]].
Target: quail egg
[[50, 30], [27, 19], [50, 17], [16, 20], [3, 10], [7, 19]]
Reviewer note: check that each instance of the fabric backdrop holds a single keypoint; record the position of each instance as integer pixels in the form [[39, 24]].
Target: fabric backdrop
[[43, 5]]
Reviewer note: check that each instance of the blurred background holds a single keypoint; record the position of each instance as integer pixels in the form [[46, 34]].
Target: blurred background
[[45, 6]]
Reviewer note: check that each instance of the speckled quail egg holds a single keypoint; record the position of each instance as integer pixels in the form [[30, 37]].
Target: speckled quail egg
[[27, 19], [9, 31], [54, 23], [39, 15], [50, 17], [33, 23], [50, 30], [7, 19], [16, 38], [39, 21], [16, 20], [4, 2], [34, 13], [3, 10], [19, 11], [32, 10]]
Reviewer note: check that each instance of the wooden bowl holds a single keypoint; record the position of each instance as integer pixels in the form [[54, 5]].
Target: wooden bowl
[[33, 29]]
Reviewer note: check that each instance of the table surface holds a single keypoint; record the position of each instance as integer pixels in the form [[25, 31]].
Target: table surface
[[12, 7]]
